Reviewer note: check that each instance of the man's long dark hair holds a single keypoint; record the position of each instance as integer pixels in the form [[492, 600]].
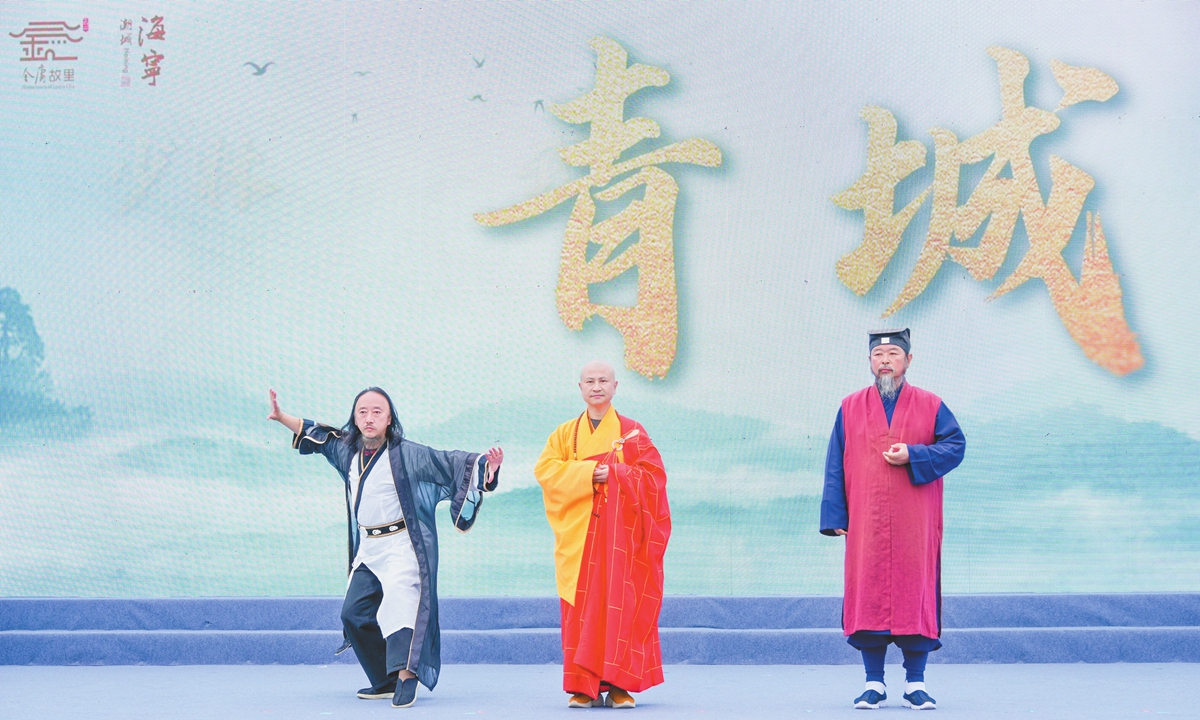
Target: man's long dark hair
[[350, 432]]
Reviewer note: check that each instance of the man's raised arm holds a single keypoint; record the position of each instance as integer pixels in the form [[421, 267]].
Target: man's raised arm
[[291, 422]]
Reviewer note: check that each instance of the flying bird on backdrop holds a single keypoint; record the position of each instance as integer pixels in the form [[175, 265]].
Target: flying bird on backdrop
[[479, 63], [538, 105], [478, 97], [258, 70], [360, 73]]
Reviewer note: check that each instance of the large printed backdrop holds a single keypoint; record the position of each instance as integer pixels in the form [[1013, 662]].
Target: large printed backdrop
[[198, 202]]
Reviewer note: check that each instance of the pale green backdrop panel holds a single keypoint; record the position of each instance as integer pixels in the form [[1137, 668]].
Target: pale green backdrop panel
[[178, 249]]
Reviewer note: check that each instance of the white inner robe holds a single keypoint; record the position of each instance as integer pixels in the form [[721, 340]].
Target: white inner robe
[[390, 557]]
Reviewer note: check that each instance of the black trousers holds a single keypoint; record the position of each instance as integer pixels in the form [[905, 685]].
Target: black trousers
[[381, 659]]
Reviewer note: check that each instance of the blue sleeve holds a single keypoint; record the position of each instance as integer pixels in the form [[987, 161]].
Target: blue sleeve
[[317, 438], [927, 463], [452, 475], [834, 514]]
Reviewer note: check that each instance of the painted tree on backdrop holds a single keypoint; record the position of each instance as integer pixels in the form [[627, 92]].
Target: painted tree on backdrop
[[24, 384]]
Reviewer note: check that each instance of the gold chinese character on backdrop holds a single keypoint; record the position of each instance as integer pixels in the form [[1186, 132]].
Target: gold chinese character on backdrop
[[1091, 308], [650, 327]]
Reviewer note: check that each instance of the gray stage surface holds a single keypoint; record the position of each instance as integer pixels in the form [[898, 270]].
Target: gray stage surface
[[530, 692]]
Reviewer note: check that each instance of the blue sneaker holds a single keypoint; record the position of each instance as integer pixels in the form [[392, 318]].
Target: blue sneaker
[[871, 700], [406, 693], [919, 700]]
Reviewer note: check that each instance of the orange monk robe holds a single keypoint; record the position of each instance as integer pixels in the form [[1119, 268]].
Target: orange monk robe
[[609, 541]]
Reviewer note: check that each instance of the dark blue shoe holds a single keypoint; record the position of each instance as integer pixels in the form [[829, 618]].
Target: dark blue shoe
[[919, 700], [383, 692], [406, 693], [871, 700]]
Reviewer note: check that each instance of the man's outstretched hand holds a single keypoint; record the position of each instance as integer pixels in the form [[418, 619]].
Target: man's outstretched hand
[[495, 456], [291, 422], [276, 413]]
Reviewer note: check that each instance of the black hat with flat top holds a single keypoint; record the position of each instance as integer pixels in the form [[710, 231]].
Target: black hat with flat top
[[899, 338]]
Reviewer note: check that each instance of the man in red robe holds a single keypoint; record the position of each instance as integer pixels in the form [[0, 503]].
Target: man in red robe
[[605, 492], [890, 447]]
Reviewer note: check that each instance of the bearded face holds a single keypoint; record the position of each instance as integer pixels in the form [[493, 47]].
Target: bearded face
[[888, 364], [888, 385]]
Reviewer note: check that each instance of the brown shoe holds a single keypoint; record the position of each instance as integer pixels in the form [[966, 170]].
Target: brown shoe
[[618, 698], [579, 700]]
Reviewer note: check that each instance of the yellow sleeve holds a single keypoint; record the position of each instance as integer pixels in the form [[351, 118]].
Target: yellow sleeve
[[567, 492]]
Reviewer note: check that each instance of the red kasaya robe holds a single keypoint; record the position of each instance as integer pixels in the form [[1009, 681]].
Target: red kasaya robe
[[894, 542], [609, 545]]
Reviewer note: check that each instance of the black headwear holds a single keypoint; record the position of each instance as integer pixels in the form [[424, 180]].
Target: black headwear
[[899, 338]]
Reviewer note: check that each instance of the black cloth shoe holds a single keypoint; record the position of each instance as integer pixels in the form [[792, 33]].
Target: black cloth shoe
[[871, 700], [384, 692], [406, 693], [919, 700]]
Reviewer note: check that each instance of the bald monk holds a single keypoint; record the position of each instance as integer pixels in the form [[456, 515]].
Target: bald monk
[[606, 499]]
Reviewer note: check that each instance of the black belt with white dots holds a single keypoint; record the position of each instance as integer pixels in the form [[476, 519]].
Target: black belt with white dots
[[383, 530]]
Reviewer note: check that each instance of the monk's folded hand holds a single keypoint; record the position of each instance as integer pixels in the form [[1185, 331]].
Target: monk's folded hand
[[897, 454], [600, 474]]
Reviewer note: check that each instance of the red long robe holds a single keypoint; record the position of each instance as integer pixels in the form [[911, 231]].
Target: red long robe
[[610, 632], [894, 542]]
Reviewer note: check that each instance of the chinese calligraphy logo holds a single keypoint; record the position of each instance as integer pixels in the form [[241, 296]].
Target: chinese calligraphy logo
[[649, 328], [1091, 308], [37, 37], [49, 41]]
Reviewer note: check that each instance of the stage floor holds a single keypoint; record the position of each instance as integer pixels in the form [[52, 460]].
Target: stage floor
[[528, 692]]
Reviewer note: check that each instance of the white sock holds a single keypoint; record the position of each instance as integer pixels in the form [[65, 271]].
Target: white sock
[[912, 687], [877, 687]]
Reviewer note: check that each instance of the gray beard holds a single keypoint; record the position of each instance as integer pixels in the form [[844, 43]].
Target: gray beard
[[888, 385], [373, 444]]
